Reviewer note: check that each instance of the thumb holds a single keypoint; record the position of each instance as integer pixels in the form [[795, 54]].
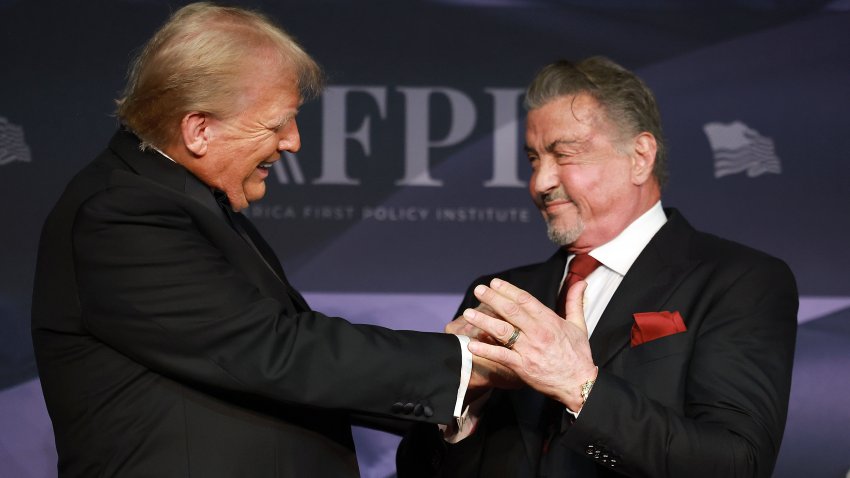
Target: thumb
[[575, 305]]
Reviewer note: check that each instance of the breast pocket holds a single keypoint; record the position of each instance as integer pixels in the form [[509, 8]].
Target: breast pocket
[[659, 348], [659, 368]]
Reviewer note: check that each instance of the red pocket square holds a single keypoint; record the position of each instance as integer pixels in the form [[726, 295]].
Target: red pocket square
[[654, 325]]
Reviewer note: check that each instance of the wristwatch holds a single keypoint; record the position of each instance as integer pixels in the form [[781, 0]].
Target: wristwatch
[[585, 390], [586, 387]]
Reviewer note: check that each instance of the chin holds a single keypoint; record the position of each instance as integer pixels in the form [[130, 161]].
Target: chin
[[255, 192], [254, 197], [564, 235]]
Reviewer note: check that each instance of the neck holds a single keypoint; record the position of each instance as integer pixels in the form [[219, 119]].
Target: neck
[[602, 232]]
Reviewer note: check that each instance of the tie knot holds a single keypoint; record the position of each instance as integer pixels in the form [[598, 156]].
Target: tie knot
[[580, 267]]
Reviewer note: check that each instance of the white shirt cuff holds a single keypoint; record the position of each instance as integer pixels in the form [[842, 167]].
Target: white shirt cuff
[[465, 374]]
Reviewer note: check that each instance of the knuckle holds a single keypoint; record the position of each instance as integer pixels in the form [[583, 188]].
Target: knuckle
[[524, 298], [511, 309]]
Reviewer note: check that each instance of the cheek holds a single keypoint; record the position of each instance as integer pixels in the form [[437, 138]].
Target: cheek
[[577, 181], [610, 193], [531, 182]]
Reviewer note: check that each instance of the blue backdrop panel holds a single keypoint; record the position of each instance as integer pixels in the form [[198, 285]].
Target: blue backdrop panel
[[412, 179]]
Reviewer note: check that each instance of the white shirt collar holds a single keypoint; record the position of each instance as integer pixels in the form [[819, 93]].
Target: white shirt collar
[[162, 153], [620, 253]]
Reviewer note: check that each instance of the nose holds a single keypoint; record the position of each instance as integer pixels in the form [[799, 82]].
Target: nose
[[290, 139], [545, 177]]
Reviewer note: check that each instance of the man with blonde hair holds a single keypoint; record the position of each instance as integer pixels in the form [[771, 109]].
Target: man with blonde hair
[[169, 342]]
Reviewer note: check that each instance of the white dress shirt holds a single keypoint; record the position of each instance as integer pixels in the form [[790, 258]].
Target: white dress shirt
[[616, 257]]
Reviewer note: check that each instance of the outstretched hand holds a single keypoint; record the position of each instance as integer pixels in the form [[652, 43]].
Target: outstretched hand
[[552, 355], [460, 326], [486, 374]]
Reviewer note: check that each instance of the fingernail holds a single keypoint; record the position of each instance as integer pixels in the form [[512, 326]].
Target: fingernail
[[495, 283], [479, 289], [469, 313]]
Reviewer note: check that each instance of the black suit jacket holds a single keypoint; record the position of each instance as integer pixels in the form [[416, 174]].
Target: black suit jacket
[[167, 346], [710, 402]]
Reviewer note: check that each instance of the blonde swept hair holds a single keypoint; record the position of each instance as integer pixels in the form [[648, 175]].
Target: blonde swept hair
[[197, 61]]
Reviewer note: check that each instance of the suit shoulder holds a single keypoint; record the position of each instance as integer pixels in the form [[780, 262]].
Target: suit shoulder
[[734, 256], [88, 182]]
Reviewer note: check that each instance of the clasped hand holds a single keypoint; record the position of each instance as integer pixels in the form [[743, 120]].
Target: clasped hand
[[551, 355]]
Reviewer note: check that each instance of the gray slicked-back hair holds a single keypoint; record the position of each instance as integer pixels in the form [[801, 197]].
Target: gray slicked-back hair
[[628, 102]]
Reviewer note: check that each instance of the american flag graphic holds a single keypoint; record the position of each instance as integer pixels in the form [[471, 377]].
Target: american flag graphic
[[12, 144], [738, 148]]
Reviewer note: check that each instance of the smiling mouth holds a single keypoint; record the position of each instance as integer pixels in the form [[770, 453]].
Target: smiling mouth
[[552, 199], [265, 165], [556, 202]]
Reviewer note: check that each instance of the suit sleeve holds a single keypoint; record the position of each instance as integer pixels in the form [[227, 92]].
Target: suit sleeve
[[154, 287], [734, 387]]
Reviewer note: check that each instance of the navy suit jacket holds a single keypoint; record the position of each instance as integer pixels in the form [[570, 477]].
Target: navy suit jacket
[[170, 346], [711, 401]]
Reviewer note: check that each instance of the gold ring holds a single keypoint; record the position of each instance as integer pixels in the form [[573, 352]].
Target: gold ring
[[511, 341]]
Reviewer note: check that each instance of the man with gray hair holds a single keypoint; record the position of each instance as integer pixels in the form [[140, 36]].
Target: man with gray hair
[[169, 342], [671, 350]]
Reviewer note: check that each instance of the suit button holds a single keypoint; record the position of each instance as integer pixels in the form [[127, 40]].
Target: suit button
[[397, 407], [428, 411], [408, 408], [417, 410]]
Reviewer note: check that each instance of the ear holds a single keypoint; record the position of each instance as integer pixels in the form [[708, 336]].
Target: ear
[[196, 133], [643, 159]]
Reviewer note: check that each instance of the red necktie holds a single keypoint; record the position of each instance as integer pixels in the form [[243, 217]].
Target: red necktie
[[580, 267]]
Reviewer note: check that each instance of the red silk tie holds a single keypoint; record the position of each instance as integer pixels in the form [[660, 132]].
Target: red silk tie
[[580, 267]]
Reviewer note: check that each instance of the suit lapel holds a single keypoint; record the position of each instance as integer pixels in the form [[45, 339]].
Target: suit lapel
[[650, 282], [270, 258], [260, 264], [542, 280]]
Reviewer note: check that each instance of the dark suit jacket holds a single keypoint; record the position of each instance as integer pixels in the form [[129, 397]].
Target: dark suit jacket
[[710, 402], [168, 347]]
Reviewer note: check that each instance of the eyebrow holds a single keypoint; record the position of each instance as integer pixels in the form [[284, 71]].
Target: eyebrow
[[282, 120], [288, 116], [554, 144], [561, 142]]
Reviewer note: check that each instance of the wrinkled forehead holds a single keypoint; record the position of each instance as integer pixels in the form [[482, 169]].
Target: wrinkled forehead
[[580, 112], [265, 81], [581, 107]]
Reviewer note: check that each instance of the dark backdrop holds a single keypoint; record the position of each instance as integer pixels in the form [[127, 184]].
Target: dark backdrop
[[411, 180]]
